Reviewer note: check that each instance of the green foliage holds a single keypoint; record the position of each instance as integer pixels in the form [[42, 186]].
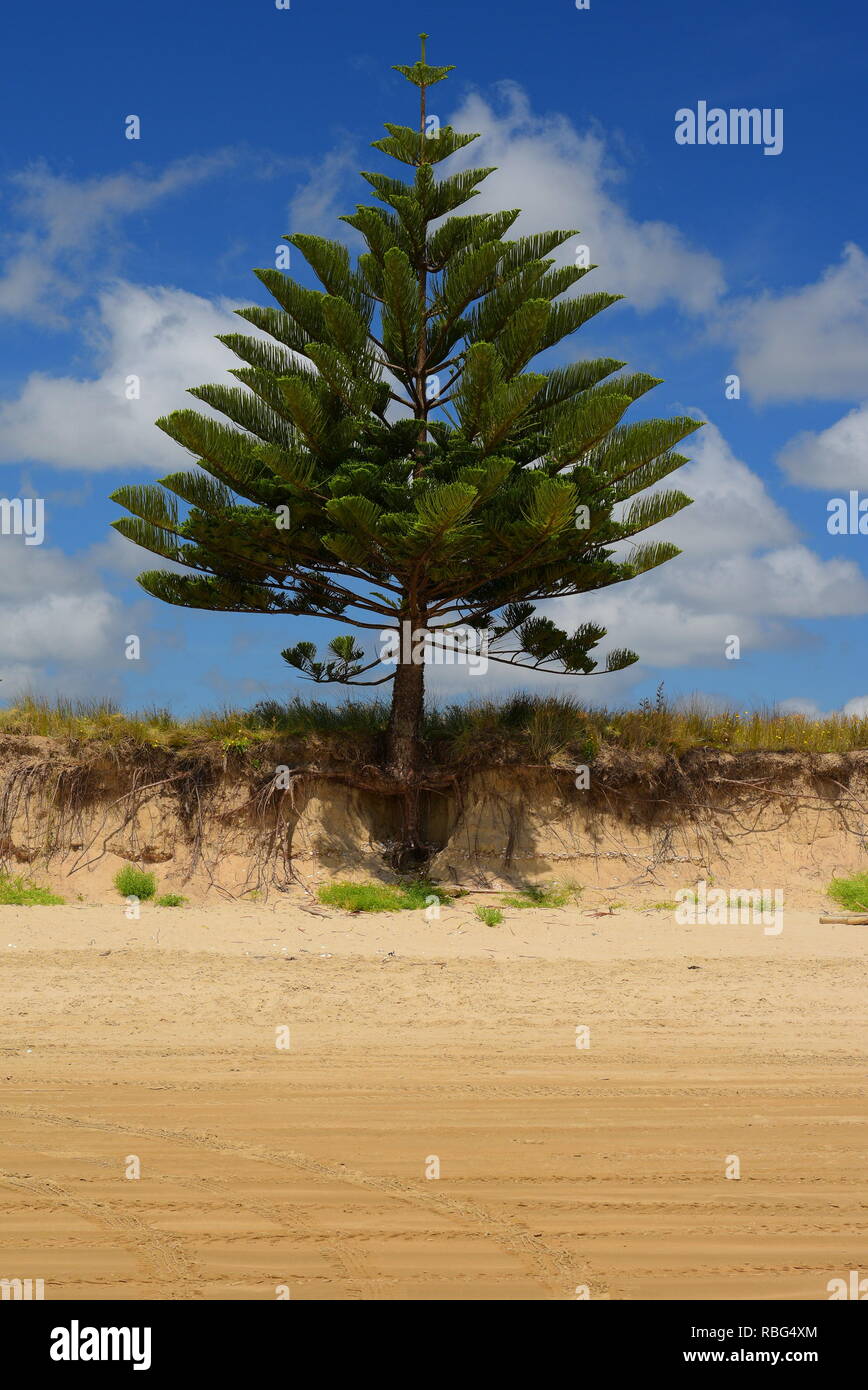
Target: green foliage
[[535, 896], [171, 900], [131, 882], [851, 893], [520, 728], [491, 916], [390, 449], [23, 892], [381, 897], [347, 660], [418, 892], [237, 742], [362, 897]]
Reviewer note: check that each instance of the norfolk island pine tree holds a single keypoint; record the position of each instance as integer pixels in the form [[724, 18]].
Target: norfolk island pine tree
[[392, 460]]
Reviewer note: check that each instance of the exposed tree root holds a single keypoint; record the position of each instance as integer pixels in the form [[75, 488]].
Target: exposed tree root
[[79, 801]]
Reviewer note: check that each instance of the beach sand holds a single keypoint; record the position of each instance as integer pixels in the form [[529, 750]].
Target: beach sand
[[564, 1171]]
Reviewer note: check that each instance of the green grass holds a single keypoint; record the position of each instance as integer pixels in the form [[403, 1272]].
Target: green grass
[[299, 716], [540, 729], [534, 896], [135, 883], [851, 893], [491, 916], [380, 897], [171, 900], [23, 892]]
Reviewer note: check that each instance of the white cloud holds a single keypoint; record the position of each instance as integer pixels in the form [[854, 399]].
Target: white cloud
[[809, 343], [730, 502], [796, 705], [320, 200], [69, 227], [166, 337], [561, 178], [742, 573], [857, 707], [58, 614], [121, 559], [836, 457]]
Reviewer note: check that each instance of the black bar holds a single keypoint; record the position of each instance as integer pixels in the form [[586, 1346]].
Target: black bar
[[277, 1338]]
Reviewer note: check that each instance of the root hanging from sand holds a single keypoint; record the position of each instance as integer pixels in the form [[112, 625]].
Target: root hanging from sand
[[72, 805]]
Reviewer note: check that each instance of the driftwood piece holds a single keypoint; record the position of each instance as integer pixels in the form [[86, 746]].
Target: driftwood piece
[[463, 888], [846, 921]]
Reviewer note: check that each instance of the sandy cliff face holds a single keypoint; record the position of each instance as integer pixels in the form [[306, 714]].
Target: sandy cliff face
[[647, 825]]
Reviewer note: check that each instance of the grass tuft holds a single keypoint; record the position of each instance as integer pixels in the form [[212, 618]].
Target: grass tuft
[[135, 883], [534, 896], [851, 893], [23, 892], [170, 900], [491, 916], [381, 897]]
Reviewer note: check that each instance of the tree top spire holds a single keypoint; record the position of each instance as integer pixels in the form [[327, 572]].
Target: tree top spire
[[420, 73]]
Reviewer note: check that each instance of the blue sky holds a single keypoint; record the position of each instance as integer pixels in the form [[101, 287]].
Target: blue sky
[[122, 257]]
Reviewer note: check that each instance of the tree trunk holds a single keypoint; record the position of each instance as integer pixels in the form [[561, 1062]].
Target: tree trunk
[[404, 749]]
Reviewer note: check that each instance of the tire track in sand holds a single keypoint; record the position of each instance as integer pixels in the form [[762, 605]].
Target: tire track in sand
[[554, 1268], [165, 1257], [362, 1283]]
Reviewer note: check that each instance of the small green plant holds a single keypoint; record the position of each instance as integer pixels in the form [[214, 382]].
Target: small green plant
[[362, 897], [239, 742], [418, 893], [23, 892], [491, 916], [662, 907], [851, 893], [171, 900], [535, 896], [381, 897], [135, 883]]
